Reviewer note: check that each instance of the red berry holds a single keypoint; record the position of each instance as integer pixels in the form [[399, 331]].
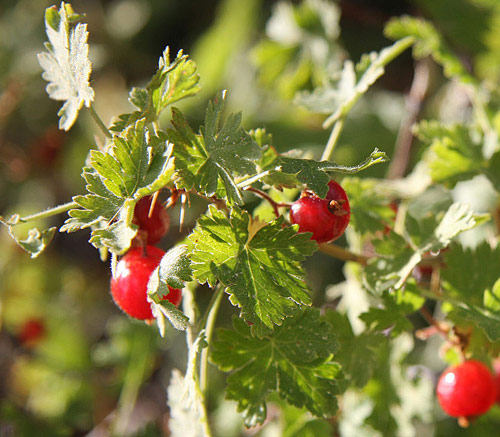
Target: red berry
[[467, 389], [154, 225], [326, 218], [496, 368], [31, 332], [129, 287]]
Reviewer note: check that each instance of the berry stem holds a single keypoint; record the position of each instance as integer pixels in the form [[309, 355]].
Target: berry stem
[[266, 196], [332, 140], [99, 122], [343, 254]]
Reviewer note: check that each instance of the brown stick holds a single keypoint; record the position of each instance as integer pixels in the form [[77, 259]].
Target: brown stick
[[413, 105], [342, 254]]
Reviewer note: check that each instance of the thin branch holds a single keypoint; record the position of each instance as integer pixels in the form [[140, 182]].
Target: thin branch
[[99, 122], [266, 196], [413, 105], [332, 140], [43, 214], [342, 254]]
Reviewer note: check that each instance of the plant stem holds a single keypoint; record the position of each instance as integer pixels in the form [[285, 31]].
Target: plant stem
[[209, 328], [266, 196], [342, 254], [99, 122], [136, 369], [332, 140], [413, 105], [48, 212]]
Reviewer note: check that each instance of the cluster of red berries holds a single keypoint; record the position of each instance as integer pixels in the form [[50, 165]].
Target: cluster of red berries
[[129, 286], [326, 218], [468, 389]]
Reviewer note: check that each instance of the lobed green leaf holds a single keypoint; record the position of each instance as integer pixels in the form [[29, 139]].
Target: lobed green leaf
[[258, 266], [294, 361]]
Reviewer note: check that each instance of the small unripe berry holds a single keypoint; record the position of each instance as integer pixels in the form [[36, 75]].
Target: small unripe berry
[[467, 389], [129, 286], [326, 218]]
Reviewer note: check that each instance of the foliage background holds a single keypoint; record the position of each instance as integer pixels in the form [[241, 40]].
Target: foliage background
[[94, 363]]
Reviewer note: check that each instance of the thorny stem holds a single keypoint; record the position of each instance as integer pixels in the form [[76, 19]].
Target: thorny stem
[[99, 122], [342, 254], [266, 196], [332, 140], [413, 105], [47, 213], [209, 329]]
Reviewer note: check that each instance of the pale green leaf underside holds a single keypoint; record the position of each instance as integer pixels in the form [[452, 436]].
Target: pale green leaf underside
[[37, 240], [67, 67]]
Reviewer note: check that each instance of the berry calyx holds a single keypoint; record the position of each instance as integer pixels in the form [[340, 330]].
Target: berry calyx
[[466, 390], [129, 286], [153, 224], [326, 218]]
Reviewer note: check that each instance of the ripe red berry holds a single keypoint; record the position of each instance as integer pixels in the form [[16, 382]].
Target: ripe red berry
[[326, 218], [467, 389], [31, 332], [154, 225], [129, 287], [496, 368]]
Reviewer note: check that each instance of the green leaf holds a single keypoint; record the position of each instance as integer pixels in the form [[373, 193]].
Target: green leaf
[[396, 307], [259, 267], [66, 65], [491, 169], [135, 165], [357, 353], [222, 151], [36, 242], [469, 272], [428, 42], [488, 321], [300, 48], [314, 174], [370, 210], [172, 82], [339, 97], [164, 310], [174, 270], [432, 230], [294, 361], [394, 264], [453, 156], [491, 299]]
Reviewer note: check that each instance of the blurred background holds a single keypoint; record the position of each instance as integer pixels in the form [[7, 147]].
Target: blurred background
[[70, 362]]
